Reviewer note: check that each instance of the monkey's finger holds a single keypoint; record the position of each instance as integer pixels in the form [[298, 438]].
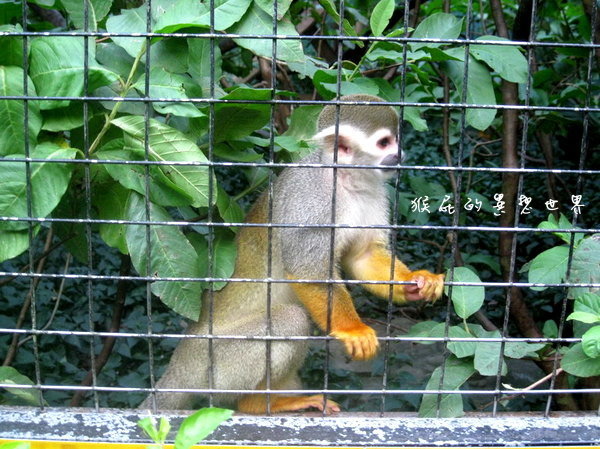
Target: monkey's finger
[[330, 407], [412, 292], [360, 348], [429, 289], [439, 286], [360, 343], [435, 287]]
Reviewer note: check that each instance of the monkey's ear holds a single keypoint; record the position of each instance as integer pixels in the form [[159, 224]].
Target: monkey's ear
[[345, 139]]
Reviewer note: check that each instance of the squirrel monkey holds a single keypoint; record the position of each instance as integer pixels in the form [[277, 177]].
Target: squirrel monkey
[[366, 135]]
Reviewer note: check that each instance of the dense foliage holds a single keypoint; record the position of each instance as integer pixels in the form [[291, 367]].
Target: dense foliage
[[92, 171]]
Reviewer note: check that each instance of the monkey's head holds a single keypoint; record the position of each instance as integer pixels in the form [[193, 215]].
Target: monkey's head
[[366, 134]]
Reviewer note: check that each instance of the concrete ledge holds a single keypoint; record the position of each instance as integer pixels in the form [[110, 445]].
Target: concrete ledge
[[395, 429]]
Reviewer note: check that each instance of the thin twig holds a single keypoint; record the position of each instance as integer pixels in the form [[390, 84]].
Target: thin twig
[[61, 289], [115, 325], [14, 344], [529, 387]]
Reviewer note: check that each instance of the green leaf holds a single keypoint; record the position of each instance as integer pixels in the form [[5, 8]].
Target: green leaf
[[588, 302], [236, 120], [550, 329], [329, 7], [130, 21], [170, 54], [258, 22], [508, 61], [57, 69], [199, 425], [229, 210], [366, 86], [576, 362], [585, 266], [413, 116], [148, 425], [199, 63], [549, 267], [15, 445], [590, 342], [224, 254], [308, 67], [9, 375], [12, 135], [97, 10], [303, 122], [49, 181], [456, 373], [163, 191], [167, 144], [13, 243], [72, 206], [436, 26], [231, 151], [487, 355], [466, 299], [164, 84], [293, 145], [480, 89], [227, 13], [520, 349], [381, 15], [9, 10], [12, 46], [422, 329], [180, 14], [64, 119], [171, 255], [459, 348], [190, 13], [562, 223], [484, 259], [584, 317], [268, 7], [111, 202], [163, 429], [159, 435], [115, 58]]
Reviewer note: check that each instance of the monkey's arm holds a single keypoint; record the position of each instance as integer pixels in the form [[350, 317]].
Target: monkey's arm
[[359, 339], [374, 263]]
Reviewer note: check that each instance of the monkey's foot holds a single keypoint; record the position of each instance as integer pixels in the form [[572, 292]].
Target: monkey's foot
[[360, 343], [295, 403], [429, 286], [257, 404]]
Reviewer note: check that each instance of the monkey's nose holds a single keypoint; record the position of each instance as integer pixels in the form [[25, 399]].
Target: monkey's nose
[[391, 159]]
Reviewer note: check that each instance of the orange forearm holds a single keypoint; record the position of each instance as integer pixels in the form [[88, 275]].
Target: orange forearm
[[360, 341], [375, 264]]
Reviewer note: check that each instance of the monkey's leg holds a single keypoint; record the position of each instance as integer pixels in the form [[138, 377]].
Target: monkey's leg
[[182, 372], [359, 339], [374, 264], [257, 403]]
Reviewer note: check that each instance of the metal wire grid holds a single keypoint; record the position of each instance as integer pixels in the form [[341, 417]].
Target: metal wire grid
[[90, 278]]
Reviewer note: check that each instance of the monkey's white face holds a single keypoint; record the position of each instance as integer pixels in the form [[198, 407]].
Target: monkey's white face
[[354, 147]]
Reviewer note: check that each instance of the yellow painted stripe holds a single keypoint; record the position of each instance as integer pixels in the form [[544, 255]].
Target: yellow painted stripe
[[37, 444]]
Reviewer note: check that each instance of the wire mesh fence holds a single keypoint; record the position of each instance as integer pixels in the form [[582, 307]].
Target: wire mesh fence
[[136, 140]]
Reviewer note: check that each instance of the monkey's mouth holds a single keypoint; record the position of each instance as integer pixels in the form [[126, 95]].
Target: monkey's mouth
[[390, 160]]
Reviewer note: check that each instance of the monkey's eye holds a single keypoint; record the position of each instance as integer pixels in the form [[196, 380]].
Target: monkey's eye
[[383, 142]]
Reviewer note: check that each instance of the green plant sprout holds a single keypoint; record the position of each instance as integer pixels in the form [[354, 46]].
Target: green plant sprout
[[193, 429]]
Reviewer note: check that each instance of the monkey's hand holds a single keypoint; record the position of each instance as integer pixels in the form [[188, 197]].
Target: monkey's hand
[[428, 286], [360, 342]]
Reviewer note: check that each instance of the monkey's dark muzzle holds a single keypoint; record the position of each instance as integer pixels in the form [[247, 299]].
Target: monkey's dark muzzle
[[391, 160]]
